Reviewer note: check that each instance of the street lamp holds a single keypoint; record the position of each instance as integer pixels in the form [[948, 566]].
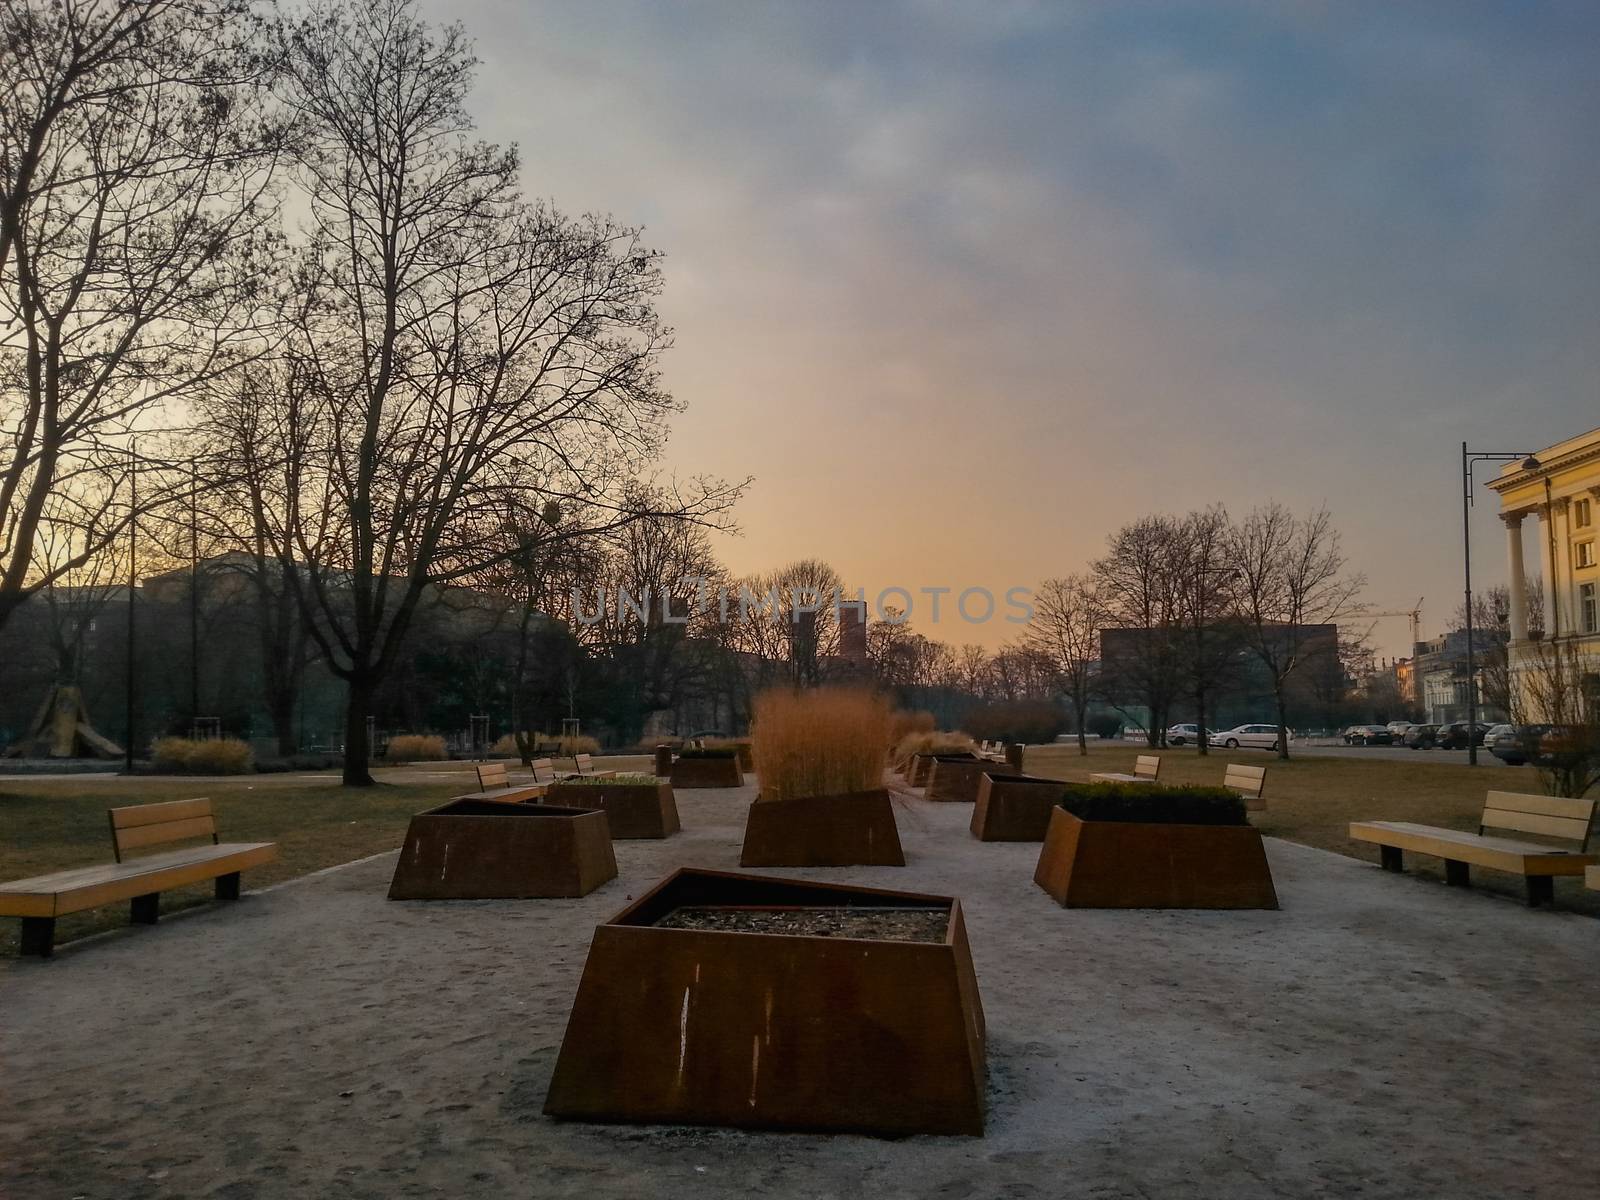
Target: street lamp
[[1468, 459]]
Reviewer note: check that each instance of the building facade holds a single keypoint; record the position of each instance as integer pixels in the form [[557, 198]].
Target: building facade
[[1559, 487]]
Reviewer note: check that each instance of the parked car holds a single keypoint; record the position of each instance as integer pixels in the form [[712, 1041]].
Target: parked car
[[1514, 745], [1458, 734], [1368, 735], [1422, 737], [1398, 730], [1183, 735], [1563, 746], [1262, 737]]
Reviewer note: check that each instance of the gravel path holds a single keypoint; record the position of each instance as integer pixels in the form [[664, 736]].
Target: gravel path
[[1379, 1037]]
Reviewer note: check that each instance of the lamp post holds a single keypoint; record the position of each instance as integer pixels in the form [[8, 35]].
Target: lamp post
[[1468, 459]]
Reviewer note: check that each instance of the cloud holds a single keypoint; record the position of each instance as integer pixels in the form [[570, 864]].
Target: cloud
[[967, 285]]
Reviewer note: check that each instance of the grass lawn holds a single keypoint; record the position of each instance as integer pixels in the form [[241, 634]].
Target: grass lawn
[[1313, 800], [48, 825]]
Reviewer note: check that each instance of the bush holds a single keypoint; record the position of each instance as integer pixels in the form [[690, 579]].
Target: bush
[[208, 756], [827, 742], [648, 745], [741, 747], [561, 747], [1106, 725], [505, 746], [1160, 805], [1031, 721], [415, 747], [931, 743]]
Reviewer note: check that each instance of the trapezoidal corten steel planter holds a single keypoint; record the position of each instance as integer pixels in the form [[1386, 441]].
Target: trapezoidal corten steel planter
[[853, 830], [764, 1030], [634, 810], [1143, 864], [921, 765], [1013, 808], [716, 772], [955, 780], [490, 850]]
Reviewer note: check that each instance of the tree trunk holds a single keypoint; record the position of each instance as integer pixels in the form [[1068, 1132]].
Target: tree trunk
[[1200, 721], [1283, 723], [357, 749], [282, 714], [1080, 704]]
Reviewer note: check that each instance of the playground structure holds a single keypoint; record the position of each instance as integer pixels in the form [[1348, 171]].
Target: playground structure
[[62, 729]]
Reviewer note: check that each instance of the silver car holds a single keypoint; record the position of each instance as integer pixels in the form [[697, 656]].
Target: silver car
[[1261, 737]]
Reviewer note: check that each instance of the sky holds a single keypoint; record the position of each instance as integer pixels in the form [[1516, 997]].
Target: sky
[[966, 286]]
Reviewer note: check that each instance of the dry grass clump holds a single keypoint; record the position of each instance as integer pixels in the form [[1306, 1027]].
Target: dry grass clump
[[827, 742], [202, 756], [565, 747], [740, 746], [415, 747], [931, 742]]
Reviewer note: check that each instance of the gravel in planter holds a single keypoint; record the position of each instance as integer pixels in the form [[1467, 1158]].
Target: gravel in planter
[[875, 924]]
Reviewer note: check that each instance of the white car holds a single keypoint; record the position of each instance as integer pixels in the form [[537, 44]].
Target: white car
[[1261, 737]]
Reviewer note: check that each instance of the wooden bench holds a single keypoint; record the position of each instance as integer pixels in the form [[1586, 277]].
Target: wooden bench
[[40, 900], [585, 765], [1145, 769], [1249, 782], [494, 780], [1554, 817], [1591, 878]]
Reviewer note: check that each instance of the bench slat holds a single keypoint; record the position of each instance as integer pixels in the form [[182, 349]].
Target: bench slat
[[1503, 854], [167, 831], [82, 888], [1570, 828], [135, 815], [1549, 806]]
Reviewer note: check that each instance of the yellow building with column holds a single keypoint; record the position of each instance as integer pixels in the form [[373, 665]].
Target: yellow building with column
[[1560, 489]]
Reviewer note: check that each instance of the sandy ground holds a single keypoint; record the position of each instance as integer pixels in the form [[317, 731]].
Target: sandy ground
[[1380, 1036]]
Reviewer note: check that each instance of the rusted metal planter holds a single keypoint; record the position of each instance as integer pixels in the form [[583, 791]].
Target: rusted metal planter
[[633, 810], [1138, 864], [954, 780], [856, 829], [1013, 808], [773, 1031], [490, 850], [707, 772], [921, 765]]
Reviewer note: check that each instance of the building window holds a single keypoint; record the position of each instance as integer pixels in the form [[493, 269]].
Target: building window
[[1589, 608], [1581, 514], [1585, 553]]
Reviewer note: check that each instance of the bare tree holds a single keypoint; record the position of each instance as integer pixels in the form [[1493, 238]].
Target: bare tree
[[1209, 642], [137, 225], [1555, 685], [1067, 615], [1290, 583], [1141, 583], [460, 358]]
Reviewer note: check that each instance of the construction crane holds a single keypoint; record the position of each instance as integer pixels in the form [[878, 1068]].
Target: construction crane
[[1415, 613]]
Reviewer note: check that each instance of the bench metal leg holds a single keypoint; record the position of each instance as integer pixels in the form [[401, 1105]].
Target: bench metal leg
[[1389, 856], [39, 936], [144, 910], [1541, 890], [1457, 874], [228, 886]]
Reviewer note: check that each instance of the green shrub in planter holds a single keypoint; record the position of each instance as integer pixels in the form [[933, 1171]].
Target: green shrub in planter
[[1154, 805]]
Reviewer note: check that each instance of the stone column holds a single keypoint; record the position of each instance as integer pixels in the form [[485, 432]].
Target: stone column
[[1547, 564], [1519, 580]]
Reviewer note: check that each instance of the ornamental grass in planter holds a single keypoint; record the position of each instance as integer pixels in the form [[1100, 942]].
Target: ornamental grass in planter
[[741, 747], [1140, 846], [703, 768], [636, 806], [922, 743], [820, 759], [488, 850], [726, 999], [1013, 808]]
